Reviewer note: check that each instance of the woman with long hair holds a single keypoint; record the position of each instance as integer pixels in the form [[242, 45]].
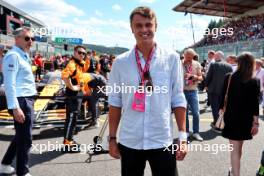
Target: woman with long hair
[[242, 108]]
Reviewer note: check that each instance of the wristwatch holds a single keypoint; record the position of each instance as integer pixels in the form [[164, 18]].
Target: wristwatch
[[110, 138]]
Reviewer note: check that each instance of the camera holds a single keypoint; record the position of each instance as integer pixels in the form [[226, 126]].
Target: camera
[[190, 78]]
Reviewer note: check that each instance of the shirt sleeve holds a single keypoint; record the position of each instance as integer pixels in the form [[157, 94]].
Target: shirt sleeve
[[10, 70], [178, 98], [199, 69], [114, 97], [68, 70]]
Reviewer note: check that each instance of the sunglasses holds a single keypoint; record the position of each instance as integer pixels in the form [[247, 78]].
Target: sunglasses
[[148, 79], [29, 38], [80, 52]]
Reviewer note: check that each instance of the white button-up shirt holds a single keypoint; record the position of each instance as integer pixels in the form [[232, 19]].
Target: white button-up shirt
[[18, 77], [260, 75], [151, 129]]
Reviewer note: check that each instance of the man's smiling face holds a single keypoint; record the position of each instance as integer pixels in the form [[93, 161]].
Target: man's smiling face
[[143, 28]]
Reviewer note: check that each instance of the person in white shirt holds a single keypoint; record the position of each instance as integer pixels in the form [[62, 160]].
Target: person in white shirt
[[232, 60], [209, 60], [259, 73], [143, 116]]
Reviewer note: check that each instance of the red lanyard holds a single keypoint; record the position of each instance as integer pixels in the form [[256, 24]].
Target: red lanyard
[[188, 68], [146, 68]]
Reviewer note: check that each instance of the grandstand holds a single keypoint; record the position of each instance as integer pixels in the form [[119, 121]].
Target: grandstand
[[245, 17]]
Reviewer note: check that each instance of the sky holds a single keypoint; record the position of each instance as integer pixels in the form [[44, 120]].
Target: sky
[[106, 22]]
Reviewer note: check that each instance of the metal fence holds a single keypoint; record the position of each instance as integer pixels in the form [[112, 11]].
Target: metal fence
[[256, 47]]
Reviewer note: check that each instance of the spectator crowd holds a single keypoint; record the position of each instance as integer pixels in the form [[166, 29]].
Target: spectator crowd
[[246, 28]]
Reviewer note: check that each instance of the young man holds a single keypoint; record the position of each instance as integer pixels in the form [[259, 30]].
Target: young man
[[94, 64], [71, 76], [145, 129], [19, 89]]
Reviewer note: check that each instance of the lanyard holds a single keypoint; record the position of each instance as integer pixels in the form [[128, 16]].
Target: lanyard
[[146, 68], [188, 68]]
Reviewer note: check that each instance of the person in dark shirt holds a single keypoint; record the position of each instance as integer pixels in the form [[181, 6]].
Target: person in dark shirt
[[104, 63], [94, 64], [242, 108], [97, 84]]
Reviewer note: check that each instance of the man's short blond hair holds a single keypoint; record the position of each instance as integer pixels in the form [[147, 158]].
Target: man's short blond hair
[[145, 12]]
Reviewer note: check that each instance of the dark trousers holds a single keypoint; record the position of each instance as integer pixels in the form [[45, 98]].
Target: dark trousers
[[21, 143], [38, 73], [73, 106], [192, 104], [1, 78], [93, 103], [215, 105], [3, 104], [162, 162]]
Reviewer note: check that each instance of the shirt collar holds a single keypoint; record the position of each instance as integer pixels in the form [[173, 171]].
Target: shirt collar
[[22, 53], [155, 54]]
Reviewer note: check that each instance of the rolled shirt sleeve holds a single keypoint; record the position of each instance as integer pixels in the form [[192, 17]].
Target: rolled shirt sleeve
[[10, 70], [114, 98], [68, 70], [178, 98]]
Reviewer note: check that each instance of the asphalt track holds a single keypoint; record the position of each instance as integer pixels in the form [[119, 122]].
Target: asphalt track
[[209, 162]]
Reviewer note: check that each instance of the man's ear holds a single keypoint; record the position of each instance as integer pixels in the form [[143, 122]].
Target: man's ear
[[156, 27]]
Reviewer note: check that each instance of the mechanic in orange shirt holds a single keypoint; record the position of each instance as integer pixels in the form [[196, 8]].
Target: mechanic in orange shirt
[[94, 85], [71, 76]]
